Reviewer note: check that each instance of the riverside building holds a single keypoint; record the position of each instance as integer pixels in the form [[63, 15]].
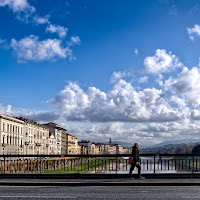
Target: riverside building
[[52, 145], [71, 144], [60, 137], [21, 136], [11, 135], [36, 138]]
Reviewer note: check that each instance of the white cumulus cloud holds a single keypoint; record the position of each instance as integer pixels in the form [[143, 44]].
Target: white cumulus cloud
[[41, 20], [186, 85], [195, 31], [195, 114], [161, 62], [121, 104], [119, 75], [136, 51], [21, 7], [31, 48], [143, 79], [74, 40], [60, 30]]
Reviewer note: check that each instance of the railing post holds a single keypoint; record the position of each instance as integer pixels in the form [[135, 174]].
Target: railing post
[[40, 165], [78, 165], [4, 164], [154, 164], [116, 165], [192, 164]]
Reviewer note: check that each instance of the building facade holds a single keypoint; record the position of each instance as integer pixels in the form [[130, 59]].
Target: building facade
[[12, 135], [21, 136], [52, 145], [60, 137], [36, 138], [70, 144], [87, 146]]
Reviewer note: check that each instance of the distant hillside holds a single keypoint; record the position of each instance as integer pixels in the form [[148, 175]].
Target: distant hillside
[[184, 147], [186, 141]]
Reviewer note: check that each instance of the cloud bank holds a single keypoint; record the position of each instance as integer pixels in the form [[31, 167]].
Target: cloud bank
[[121, 104]]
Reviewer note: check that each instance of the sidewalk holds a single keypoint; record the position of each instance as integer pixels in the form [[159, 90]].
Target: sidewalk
[[100, 182], [81, 179]]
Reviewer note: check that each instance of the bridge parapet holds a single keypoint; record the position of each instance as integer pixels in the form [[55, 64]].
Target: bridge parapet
[[99, 164]]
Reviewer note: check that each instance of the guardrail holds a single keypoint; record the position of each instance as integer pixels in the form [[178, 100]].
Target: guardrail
[[150, 163]]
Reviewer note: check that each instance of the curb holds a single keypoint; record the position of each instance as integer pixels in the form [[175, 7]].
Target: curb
[[73, 184], [98, 176]]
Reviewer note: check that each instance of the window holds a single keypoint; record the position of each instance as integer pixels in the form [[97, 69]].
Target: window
[[7, 127], [13, 129], [7, 139], [10, 128], [10, 139], [3, 126], [21, 130], [3, 139], [21, 141]]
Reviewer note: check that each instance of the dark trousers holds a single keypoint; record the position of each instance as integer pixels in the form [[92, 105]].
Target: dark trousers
[[132, 168]]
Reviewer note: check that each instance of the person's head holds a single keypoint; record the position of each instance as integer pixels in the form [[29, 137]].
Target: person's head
[[137, 144]]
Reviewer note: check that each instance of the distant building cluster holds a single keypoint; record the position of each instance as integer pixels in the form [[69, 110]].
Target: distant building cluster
[[21, 136]]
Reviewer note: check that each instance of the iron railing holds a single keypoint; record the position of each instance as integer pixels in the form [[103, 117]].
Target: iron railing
[[150, 163]]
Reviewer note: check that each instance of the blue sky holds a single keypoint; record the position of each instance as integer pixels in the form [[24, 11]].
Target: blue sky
[[128, 70]]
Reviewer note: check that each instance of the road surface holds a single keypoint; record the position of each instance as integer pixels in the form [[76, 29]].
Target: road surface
[[99, 192]]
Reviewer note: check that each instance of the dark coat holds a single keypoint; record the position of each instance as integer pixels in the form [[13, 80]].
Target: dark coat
[[135, 154]]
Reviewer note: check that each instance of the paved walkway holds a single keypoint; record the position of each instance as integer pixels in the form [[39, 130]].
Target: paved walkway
[[100, 182]]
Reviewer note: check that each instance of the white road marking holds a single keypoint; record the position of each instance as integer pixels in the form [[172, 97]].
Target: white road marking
[[39, 197], [27, 186]]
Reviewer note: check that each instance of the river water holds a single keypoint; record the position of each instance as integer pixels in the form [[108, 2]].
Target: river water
[[147, 166]]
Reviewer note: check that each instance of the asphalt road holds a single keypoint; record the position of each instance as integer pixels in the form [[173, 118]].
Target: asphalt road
[[99, 192]]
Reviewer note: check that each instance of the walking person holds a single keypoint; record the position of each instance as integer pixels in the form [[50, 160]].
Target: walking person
[[135, 154]]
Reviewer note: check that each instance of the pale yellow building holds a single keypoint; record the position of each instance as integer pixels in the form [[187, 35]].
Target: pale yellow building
[[60, 137], [11, 135], [97, 149], [70, 144], [79, 149], [76, 147], [119, 149], [93, 149], [52, 145], [36, 138]]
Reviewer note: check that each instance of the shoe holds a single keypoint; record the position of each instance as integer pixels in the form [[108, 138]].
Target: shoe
[[141, 178], [132, 178]]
